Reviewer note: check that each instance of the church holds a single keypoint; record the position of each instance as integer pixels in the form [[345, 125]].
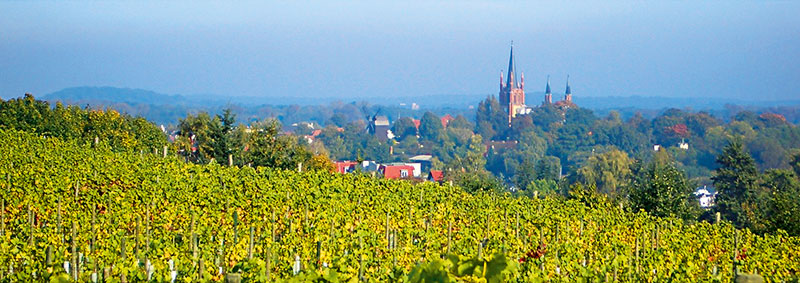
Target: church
[[512, 92]]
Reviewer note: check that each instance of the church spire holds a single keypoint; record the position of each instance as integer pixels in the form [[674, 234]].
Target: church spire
[[501, 80], [569, 91], [512, 72], [547, 89]]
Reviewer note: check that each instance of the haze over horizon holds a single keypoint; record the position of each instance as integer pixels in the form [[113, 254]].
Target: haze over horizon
[[741, 50]]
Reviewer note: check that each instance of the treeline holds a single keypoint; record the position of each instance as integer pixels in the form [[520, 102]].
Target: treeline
[[202, 138], [119, 131]]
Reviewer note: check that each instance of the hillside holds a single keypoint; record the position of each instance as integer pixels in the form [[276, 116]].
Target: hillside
[[68, 205]]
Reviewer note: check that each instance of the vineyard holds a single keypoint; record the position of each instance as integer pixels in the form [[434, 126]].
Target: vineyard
[[86, 213]]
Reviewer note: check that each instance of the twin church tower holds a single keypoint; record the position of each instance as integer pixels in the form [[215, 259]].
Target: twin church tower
[[512, 92]]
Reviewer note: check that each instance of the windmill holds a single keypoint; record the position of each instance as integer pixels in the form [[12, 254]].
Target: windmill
[[370, 119]]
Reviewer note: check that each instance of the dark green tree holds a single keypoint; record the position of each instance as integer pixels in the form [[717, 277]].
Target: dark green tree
[[403, 128], [662, 190], [221, 138], [430, 127], [491, 120], [784, 208], [735, 182]]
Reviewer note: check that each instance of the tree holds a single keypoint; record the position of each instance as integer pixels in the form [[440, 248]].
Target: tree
[[404, 127], [221, 138], [546, 117], [321, 162], [491, 120], [608, 171], [460, 122], [269, 149], [785, 208], [430, 127], [662, 190], [525, 174], [548, 168], [468, 170], [735, 181]]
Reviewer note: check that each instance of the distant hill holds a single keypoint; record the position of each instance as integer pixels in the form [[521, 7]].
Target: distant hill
[[110, 95], [168, 109]]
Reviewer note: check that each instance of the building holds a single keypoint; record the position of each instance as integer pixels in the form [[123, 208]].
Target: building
[[512, 91], [379, 127], [369, 166], [344, 167], [706, 197], [396, 171], [424, 159], [436, 176], [446, 119], [567, 102]]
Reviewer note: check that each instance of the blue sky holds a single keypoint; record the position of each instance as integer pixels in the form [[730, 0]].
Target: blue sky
[[728, 49]]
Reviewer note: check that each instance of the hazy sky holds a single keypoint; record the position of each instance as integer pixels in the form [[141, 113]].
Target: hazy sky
[[358, 49]]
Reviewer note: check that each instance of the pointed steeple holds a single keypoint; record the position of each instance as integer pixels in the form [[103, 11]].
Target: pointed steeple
[[547, 89], [512, 72], [501, 80], [569, 91]]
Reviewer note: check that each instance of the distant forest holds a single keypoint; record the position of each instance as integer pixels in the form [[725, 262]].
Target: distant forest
[[167, 109]]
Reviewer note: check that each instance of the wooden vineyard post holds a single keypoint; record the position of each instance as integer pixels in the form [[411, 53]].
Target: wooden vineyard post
[[147, 232], [306, 227], [268, 262], [393, 248], [74, 265], [165, 152], [718, 217], [137, 232], [318, 261], [221, 254], [449, 235], [194, 239], [122, 248], [235, 227], [250, 245], [516, 227], [272, 226], [3, 219], [386, 227], [735, 253], [360, 259], [480, 250], [230, 160], [655, 237], [636, 264], [541, 241], [48, 256], [94, 229], [30, 226], [201, 269], [59, 230]]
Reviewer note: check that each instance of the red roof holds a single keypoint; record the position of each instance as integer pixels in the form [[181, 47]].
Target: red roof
[[436, 175], [416, 123], [446, 120], [316, 133], [397, 171], [342, 166]]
